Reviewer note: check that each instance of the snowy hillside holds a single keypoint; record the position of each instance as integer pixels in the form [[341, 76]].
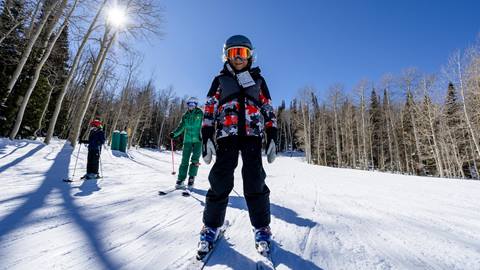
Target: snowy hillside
[[322, 218]]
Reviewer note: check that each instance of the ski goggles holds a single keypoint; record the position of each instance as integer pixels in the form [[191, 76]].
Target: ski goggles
[[242, 52], [192, 104]]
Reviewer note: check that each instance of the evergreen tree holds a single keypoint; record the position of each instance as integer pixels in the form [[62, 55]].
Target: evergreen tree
[[411, 155], [376, 128], [59, 64], [452, 107], [10, 50]]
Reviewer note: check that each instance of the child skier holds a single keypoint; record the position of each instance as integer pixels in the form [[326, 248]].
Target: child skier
[[237, 112], [192, 143], [95, 141]]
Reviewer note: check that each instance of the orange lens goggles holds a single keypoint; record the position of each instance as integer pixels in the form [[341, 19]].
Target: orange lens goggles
[[241, 52]]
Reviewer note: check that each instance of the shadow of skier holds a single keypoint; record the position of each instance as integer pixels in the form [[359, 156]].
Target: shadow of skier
[[37, 199], [226, 255], [88, 187], [291, 260], [278, 211]]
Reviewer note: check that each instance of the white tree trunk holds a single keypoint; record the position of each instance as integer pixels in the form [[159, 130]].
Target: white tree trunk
[[44, 111], [431, 120], [306, 133], [465, 112], [77, 122], [28, 50], [39, 67], [76, 61], [337, 131], [364, 133], [10, 31], [32, 19]]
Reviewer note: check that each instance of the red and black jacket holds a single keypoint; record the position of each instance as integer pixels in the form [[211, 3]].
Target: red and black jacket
[[238, 111]]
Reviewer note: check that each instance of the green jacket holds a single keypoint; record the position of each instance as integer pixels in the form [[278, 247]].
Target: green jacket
[[190, 126]]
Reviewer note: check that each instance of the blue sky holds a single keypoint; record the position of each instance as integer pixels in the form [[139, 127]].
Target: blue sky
[[308, 43]]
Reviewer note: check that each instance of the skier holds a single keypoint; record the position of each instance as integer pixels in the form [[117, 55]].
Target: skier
[[239, 106], [190, 127], [95, 141]]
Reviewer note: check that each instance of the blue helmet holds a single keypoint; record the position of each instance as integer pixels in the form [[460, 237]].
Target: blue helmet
[[238, 40]]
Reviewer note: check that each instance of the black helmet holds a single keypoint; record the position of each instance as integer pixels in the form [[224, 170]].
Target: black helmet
[[238, 40]]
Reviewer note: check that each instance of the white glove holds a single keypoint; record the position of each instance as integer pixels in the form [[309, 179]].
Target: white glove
[[208, 151], [271, 152]]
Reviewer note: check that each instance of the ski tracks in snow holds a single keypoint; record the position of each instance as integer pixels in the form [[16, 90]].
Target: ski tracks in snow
[[322, 218]]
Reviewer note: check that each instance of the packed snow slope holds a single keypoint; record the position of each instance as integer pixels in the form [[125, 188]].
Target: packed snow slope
[[322, 218]]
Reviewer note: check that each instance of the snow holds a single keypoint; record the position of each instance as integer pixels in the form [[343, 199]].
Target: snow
[[322, 218]]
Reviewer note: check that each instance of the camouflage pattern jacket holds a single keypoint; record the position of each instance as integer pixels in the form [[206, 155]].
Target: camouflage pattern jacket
[[235, 110]]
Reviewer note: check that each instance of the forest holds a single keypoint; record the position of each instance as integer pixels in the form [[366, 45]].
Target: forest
[[65, 62]]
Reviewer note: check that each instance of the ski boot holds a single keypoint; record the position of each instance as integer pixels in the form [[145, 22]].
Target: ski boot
[[263, 237], [90, 176], [179, 184], [191, 181], [208, 236]]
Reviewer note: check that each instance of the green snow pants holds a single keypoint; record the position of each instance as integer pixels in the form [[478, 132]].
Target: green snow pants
[[193, 150]]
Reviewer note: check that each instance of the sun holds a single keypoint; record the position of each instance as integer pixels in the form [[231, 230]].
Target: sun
[[117, 16]]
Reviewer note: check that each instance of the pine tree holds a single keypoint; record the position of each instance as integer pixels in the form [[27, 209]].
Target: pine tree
[[39, 98], [10, 50], [457, 134], [375, 128], [59, 64], [452, 107]]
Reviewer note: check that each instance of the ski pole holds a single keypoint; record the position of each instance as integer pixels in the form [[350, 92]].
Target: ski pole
[[76, 160], [173, 160], [101, 167]]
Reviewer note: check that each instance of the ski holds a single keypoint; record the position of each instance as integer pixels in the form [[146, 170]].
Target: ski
[[197, 263], [70, 180], [165, 192], [265, 260], [187, 191]]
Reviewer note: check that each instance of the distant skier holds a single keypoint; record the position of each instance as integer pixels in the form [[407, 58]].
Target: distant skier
[[239, 106], [190, 127], [96, 139]]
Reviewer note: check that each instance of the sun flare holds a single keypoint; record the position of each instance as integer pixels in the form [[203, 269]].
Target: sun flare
[[117, 16]]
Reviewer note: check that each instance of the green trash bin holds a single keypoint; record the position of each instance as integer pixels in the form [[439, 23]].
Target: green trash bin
[[115, 140], [123, 141]]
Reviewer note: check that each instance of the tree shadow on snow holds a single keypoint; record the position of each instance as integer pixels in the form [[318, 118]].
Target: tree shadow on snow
[[278, 211], [17, 147], [37, 199], [21, 158]]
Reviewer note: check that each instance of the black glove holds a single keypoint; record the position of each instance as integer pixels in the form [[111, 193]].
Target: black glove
[[208, 146], [172, 135], [271, 149], [84, 141]]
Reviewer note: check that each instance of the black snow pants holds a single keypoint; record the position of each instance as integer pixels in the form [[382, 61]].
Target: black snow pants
[[255, 190], [92, 161]]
